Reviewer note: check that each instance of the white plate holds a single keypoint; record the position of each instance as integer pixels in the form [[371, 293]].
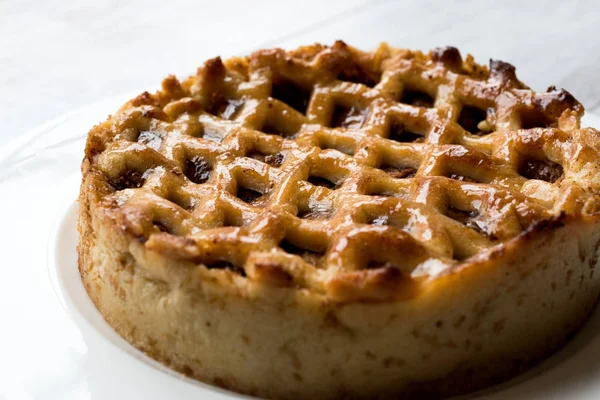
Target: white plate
[[55, 345]]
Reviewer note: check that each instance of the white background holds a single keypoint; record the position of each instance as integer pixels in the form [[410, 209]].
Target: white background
[[58, 55]]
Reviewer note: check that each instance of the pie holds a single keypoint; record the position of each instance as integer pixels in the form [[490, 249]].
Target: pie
[[329, 223]]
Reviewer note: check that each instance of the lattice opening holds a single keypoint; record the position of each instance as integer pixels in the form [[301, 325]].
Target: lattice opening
[[398, 172], [308, 255], [473, 120], [212, 135], [129, 180], [274, 160], [544, 170], [220, 264], [399, 133], [233, 220], [374, 264], [248, 195], [197, 169], [347, 117], [185, 202], [160, 226], [348, 150], [380, 220], [343, 146], [382, 191], [460, 255], [322, 182], [471, 219], [272, 129], [150, 139], [316, 211], [291, 94], [462, 178], [225, 108], [534, 119], [416, 98], [280, 129], [387, 220]]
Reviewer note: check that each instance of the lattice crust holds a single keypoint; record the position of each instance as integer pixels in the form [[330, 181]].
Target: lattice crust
[[353, 174]]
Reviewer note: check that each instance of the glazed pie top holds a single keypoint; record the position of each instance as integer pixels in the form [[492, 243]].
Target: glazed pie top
[[354, 175]]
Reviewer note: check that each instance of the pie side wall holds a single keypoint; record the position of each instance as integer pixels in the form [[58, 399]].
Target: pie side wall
[[464, 331]]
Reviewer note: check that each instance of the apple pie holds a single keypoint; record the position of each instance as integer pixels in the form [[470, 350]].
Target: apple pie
[[328, 223]]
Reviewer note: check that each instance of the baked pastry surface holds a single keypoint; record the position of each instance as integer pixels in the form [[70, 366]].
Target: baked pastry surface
[[330, 223]]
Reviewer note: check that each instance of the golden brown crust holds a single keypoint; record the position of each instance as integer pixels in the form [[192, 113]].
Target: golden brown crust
[[327, 178]]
